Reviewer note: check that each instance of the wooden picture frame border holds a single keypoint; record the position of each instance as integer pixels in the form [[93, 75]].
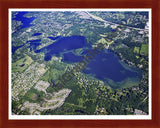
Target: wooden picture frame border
[[4, 38]]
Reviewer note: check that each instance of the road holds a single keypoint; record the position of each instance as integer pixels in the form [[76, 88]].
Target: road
[[105, 21]]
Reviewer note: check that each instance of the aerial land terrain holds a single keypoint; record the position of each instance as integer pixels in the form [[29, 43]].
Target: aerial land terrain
[[46, 45]]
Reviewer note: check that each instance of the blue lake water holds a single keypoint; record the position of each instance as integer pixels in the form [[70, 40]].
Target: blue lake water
[[106, 65], [15, 48], [25, 23], [62, 45], [70, 57], [54, 38], [37, 34], [34, 44], [24, 20]]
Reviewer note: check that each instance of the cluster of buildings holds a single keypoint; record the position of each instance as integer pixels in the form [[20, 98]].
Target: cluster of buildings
[[56, 101], [22, 82]]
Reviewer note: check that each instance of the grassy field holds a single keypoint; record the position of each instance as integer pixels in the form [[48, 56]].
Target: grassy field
[[103, 41], [136, 50], [22, 64], [144, 49]]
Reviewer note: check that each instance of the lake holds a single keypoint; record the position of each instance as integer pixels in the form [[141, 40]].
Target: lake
[[14, 48], [24, 20], [62, 45], [53, 38], [34, 44], [106, 66], [37, 34]]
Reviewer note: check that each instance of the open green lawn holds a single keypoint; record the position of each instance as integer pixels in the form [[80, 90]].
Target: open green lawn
[[144, 49], [103, 41], [22, 64], [136, 50]]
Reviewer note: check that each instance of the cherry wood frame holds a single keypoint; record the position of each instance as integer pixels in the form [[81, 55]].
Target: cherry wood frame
[[6, 4]]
